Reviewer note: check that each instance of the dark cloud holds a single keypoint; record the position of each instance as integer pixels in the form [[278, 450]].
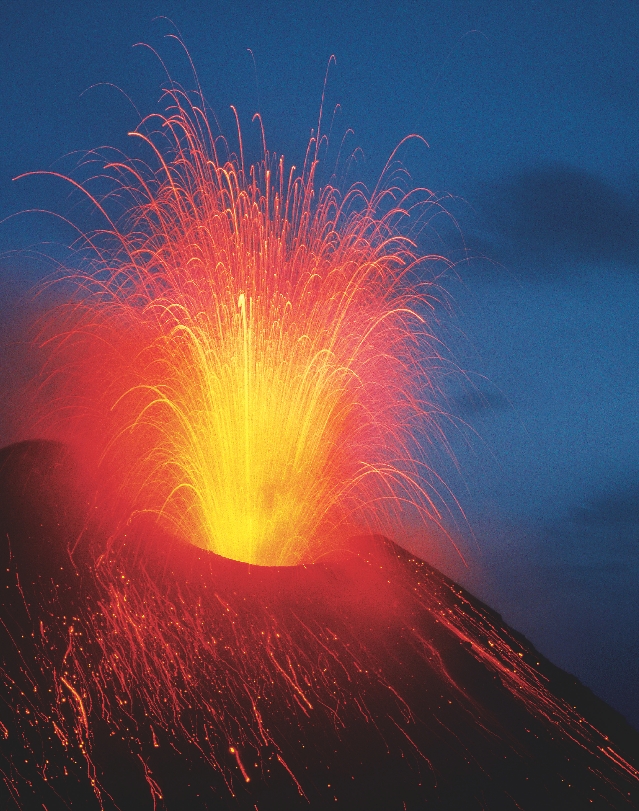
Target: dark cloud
[[611, 509], [558, 211]]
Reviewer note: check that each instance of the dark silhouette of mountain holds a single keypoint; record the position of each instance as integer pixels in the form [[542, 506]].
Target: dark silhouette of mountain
[[138, 672]]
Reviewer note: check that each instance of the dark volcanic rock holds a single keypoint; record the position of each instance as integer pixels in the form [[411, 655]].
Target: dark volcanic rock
[[138, 672]]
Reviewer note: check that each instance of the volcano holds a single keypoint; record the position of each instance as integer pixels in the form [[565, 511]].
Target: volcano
[[141, 672]]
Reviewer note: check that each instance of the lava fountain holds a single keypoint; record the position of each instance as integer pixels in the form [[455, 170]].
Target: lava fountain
[[243, 371], [243, 361]]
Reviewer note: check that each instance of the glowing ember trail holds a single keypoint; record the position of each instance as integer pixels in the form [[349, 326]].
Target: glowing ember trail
[[244, 358]]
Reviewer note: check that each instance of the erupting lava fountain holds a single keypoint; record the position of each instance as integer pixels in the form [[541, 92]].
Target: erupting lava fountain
[[243, 374], [243, 360]]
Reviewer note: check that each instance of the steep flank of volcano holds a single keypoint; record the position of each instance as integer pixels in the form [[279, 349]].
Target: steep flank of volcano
[[139, 672]]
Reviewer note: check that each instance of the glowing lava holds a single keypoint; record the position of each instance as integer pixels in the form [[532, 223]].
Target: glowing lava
[[241, 364], [243, 358], [140, 673]]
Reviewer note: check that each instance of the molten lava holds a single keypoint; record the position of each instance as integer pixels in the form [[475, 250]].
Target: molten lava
[[241, 357], [241, 365], [140, 673]]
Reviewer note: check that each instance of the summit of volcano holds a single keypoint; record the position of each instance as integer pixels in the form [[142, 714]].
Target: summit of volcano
[[141, 672]]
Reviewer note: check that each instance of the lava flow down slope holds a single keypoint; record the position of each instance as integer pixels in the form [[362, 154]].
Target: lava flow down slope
[[201, 607], [157, 675]]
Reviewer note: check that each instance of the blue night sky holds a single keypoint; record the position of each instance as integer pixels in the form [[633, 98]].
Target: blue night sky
[[531, 113]]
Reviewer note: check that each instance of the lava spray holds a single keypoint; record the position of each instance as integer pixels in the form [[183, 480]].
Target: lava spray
[[245, 366], [244, 357]]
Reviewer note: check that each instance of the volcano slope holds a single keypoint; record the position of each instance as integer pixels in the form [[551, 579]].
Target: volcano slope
[[139, 672]]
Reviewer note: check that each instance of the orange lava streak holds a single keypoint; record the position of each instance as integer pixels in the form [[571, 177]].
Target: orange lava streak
[[245, 774]]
